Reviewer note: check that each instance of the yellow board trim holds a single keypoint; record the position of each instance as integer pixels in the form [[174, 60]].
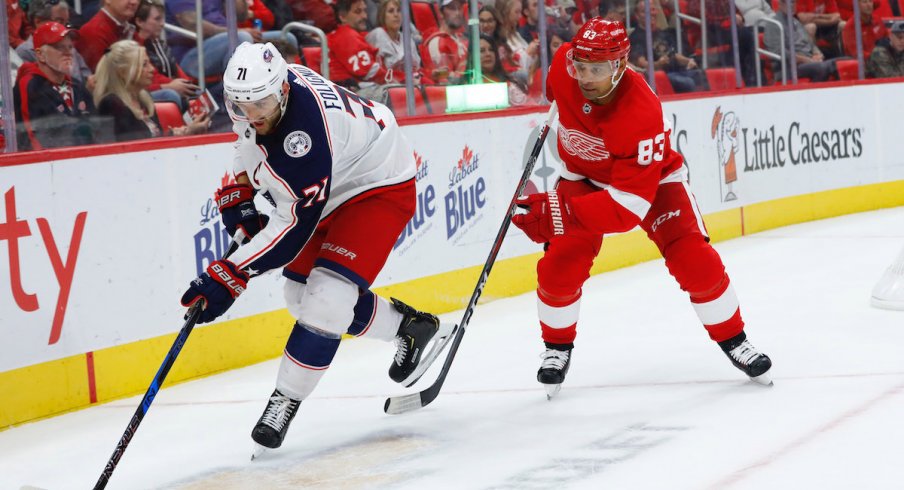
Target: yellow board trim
[[59, 386]]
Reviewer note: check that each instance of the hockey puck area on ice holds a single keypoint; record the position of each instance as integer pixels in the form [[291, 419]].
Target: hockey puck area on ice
[[354, 465]]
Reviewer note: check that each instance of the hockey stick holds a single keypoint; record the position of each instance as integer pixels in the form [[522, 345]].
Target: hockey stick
[[406, 403], [193, 313]]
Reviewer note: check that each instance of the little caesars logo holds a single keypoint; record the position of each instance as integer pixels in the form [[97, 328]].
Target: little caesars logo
[[773, 147]]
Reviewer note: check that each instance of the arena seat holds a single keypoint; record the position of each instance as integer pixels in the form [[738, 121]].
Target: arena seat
[[848, 69], [721, 79], [436, 98], [169, 116], [423, 14], [663, 84], [397, 102], [312, 57]]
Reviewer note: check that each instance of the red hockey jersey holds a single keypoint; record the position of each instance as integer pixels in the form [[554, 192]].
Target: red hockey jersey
[[622, 147], [351, 57]]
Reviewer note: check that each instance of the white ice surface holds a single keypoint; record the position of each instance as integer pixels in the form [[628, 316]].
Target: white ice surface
[[650, 402]]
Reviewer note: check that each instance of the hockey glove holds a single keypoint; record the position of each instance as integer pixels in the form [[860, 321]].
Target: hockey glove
[[238, 212], [547, 216], [218, 288]]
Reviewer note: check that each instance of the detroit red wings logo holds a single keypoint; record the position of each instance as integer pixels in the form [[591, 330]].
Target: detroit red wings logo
[[582, 145]]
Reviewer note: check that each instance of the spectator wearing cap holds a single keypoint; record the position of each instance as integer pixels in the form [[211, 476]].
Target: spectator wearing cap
[[681, 70], [170, 83], [123, 76], [52, 109], [871, 30], [111, 23], [354, 63], [387, 38], [41, 11], [809, 59], [19, 28], [822, 20], [887, 58], [445, 52]]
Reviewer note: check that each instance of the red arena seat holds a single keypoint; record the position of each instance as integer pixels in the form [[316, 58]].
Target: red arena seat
[[169, 115]]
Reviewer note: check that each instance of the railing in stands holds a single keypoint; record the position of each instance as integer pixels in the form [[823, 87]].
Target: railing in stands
[[701, 21], [324, 49], [757, 50]]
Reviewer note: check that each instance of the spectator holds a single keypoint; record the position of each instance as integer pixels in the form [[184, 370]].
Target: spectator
[[871, 30], [213, 28], [19, 28], [170, 82], [681, 70], [52, 109], [354, 63], [445, 52], [718, 28], [282, 13], [520, 54], [822, 21], [110, 24], [810, 61], [488, 19], [259, 12], [887, 58], [123, 75], [754, 10], [616, 12], [387, 38], [531, 15], [41, 11], [492, 71]]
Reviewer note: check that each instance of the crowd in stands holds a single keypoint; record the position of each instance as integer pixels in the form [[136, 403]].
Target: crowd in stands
[[120, 65]]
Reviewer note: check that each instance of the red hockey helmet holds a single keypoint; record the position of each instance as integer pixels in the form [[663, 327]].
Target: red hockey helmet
[[601, 40]]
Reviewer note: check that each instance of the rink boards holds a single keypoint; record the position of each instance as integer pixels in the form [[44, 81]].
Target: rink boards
[[99, 244]]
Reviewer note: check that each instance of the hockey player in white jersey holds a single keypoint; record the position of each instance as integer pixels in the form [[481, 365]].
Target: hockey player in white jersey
[[340, 176]]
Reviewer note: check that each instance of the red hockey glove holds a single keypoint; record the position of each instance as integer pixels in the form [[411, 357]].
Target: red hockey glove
[[237, 210], [218, 288], [547, 216]]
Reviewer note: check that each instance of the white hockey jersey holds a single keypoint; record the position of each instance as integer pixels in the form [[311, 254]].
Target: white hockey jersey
[[330, 146]]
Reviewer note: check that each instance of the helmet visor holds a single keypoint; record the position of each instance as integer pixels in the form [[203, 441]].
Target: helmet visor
[[258, 110], [585, 71]]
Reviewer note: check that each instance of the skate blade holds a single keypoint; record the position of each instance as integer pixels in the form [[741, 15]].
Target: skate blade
[[258, 451], [437, 346], [764, 379], [552, 390]]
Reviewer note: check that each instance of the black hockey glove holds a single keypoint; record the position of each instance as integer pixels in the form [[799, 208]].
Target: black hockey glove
[[218, 288], [238, 212]]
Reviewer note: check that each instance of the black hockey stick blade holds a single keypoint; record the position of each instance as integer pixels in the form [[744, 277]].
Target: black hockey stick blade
[[191, 318], [407, 403]]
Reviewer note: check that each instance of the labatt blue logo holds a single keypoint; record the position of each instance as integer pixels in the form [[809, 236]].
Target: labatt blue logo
[[466, 195], [419, 224], [212, 239]]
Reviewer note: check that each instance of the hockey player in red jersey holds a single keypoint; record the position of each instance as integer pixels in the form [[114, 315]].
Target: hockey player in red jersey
[[620, 172]]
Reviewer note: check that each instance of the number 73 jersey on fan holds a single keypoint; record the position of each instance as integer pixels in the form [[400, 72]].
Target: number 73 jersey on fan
[[622, 146], [329, 147]]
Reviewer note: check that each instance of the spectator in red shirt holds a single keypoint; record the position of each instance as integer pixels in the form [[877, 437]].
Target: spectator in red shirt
[[41, 11], [445, 52], [259, 11], [19, 29], [51, 108], [354, 63], [170, 83], [871, 30], [822, 20], [112, 23], [317, 11]]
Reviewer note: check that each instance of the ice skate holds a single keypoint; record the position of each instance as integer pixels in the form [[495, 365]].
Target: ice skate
[[415, 334], [556, 360], [273, 424], [748, 359]]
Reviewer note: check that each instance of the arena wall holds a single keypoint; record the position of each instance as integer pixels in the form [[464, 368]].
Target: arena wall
[[99, 242]]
